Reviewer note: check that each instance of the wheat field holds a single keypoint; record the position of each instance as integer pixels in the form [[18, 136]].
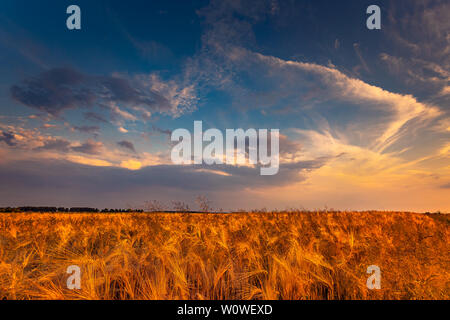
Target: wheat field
[[295, 255]]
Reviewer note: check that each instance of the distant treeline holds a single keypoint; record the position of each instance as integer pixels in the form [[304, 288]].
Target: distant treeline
[[63, 209]]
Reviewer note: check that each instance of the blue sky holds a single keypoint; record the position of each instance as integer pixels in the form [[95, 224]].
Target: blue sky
[[363, 113]]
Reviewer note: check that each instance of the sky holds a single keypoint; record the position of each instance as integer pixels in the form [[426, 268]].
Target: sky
[[86, 115]]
